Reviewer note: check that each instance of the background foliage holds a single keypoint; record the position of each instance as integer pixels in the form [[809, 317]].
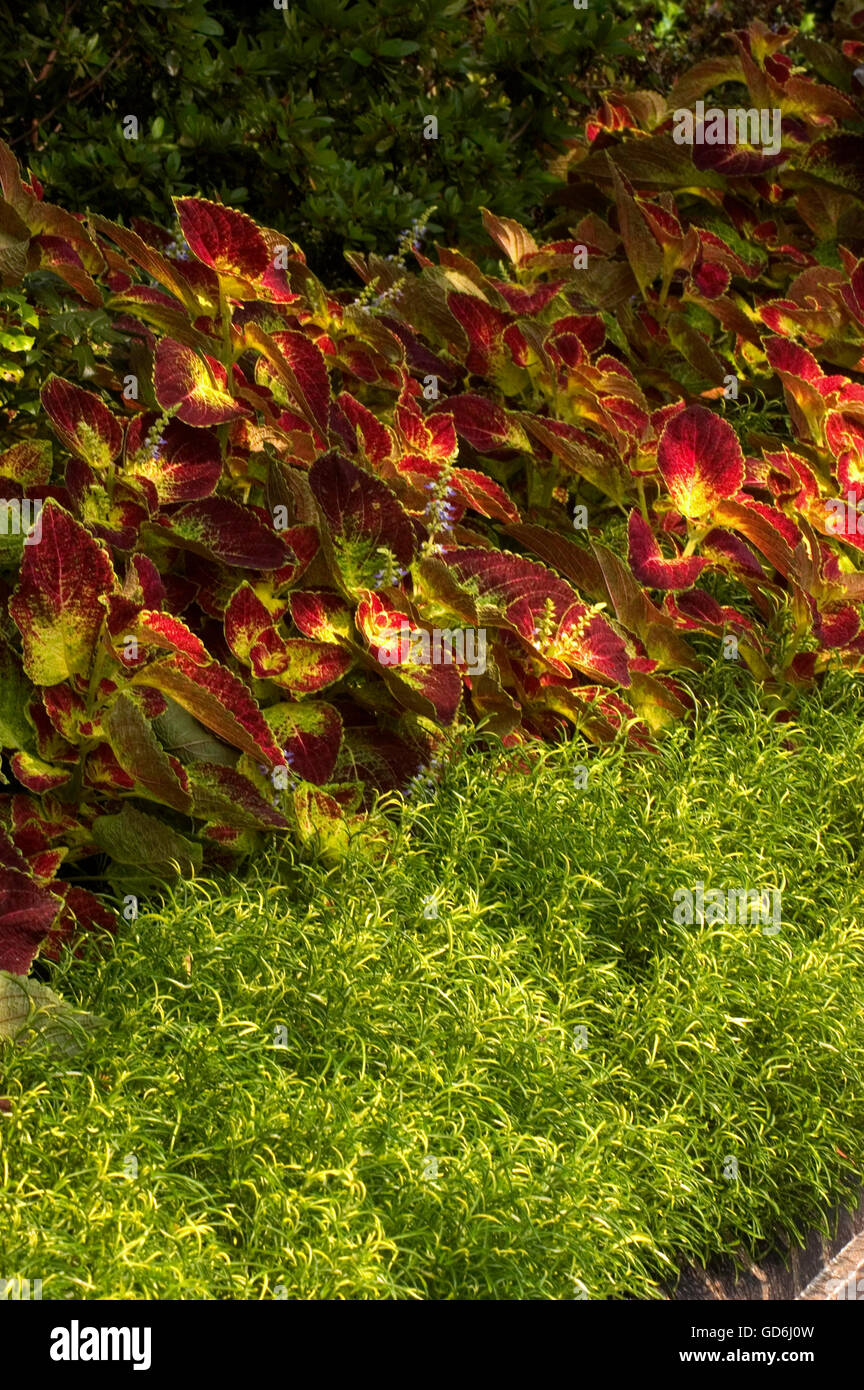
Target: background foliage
[[311, 117]]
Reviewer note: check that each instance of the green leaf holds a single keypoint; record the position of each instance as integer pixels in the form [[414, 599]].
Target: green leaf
[[155, 851], [32, 1013], [396, 48], [15, 691]]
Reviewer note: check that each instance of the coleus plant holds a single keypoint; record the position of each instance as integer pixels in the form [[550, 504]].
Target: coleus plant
[[272, 483]]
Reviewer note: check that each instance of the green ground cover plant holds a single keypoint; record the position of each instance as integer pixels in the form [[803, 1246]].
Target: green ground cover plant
[[433, 1125]]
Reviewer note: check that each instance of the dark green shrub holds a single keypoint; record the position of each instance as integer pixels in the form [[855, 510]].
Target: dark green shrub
[[311, 117]]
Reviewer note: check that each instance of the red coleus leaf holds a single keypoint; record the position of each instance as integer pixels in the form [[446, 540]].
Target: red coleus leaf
[[220, 529], [360, 508], [483, 424], [224, 239], [428, 689], [305, 543], [224, 795], [251, 633], [790, 358], [293, 361], [300, 365], [65, 709], [636, 611], [479, 492], [35, 824], [184, 464], [588, 643], [729, 552], [701, 461], [57, 605], [27, 913], [37, 776], [103, 773], [196, 385], [844, 435], [168, 633], [312, 666], [83, 422], [81, 912], [774, 534], [838, 625], [484, 495], [299, 665], [217, 698], [651, 566], [543, 609], [376, 440], [711, 279], [698, 611], [431, 436], [310, 732], [27, 463], [804, 384], [484, 326], [527, 302], [323, 616]]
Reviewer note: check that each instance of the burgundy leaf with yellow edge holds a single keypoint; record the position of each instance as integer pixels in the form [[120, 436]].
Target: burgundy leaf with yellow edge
[[83, 422], [376, 439], [360, 508], [310, 732], [38, 776], [303, 362], [650, 565], [224, 239], [321, 615], [197, 386], [251, 633], [57, 604], [487, 427], [312, 666], [431, 690], [184, 464], [27, 463], [217, 699], [221, 529], [27, 913], [700, 460]]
